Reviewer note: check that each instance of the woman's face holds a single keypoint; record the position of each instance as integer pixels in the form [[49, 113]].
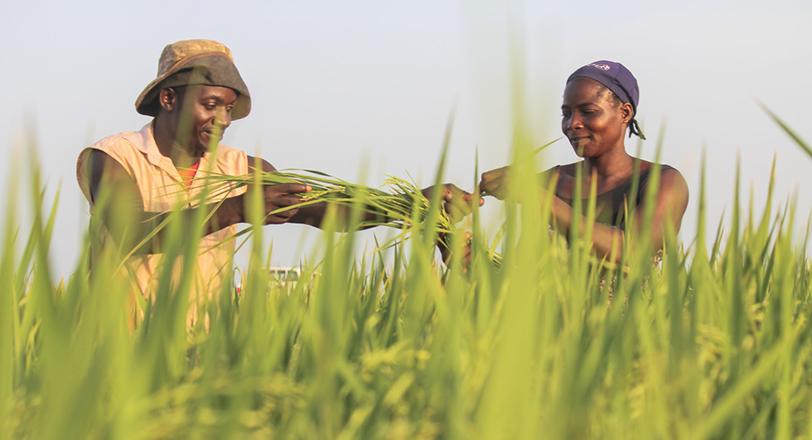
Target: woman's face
[[592, 119]]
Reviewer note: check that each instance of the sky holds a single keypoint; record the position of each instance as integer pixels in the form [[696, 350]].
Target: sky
[[363, 89]]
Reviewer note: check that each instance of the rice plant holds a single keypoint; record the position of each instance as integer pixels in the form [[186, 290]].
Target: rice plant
[[713, 341], [401, 206]]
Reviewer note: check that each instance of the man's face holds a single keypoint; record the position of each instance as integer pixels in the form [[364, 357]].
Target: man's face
[[205, 114]]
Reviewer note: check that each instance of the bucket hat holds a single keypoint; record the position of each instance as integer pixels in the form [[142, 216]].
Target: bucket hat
[[195, 62]]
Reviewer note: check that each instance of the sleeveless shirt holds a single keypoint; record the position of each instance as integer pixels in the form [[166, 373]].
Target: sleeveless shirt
[[610, 206], [161, 188]]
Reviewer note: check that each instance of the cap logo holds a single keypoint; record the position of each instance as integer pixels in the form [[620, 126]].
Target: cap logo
[[603, 67]]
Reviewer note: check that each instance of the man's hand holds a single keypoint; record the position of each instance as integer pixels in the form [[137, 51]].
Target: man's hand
[[456, 202], [494, 182], [444, 245], [278, 197]]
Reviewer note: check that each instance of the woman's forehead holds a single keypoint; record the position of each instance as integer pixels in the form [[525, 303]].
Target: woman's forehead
[[583, 90]]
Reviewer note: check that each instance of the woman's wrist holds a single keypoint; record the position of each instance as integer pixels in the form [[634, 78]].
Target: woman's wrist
[[561, 214]]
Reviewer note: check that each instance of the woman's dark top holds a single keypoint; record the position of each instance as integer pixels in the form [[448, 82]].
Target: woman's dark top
[[610, 205]]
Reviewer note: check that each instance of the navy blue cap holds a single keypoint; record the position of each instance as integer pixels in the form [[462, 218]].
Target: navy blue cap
[[617, 78]]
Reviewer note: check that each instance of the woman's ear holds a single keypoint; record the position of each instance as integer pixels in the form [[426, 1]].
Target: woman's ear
[[168, 99], [626, 112]]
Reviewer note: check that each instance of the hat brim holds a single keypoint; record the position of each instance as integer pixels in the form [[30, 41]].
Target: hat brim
[[206, 69]]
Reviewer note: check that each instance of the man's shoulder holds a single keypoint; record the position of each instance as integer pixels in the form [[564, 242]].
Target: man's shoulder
[[231, 160], [228, 149], [122, 140], [227, 152]]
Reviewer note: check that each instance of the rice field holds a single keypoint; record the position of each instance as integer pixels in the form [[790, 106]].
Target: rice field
[[712, 340]]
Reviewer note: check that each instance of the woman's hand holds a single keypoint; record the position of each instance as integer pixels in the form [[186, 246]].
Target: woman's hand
[[494, 182]]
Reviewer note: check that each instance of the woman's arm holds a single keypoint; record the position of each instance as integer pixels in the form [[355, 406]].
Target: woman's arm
[[669, 206]]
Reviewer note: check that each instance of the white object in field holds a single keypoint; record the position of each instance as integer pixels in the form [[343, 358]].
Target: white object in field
[[286, 274]]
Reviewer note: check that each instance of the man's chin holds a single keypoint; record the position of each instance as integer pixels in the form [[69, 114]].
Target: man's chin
[[208, 142]]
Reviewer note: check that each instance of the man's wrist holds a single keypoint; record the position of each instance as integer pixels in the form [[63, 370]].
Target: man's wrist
[[235, 208]]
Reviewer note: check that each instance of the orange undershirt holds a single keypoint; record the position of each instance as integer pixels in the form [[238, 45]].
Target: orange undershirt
[[187, 174]]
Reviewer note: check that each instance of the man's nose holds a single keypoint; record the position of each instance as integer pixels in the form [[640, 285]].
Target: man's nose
[[222, 119]]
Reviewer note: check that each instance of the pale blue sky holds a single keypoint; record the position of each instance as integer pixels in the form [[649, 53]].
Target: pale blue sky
[[340, 84]]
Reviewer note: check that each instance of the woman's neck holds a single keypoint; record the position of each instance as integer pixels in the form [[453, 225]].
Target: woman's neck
[[615, 162]]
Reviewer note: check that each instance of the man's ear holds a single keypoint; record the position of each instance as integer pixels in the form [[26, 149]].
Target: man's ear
[[168, 99]]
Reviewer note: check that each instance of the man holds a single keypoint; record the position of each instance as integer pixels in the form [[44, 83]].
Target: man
[[195, 97]]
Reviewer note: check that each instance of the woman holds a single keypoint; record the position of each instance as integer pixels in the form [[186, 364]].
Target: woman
[[600, 104]]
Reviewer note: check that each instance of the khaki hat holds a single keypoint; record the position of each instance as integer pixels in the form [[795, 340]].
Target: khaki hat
[[195, 62]]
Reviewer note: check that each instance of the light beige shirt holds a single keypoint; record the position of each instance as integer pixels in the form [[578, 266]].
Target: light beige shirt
[[162, 188]]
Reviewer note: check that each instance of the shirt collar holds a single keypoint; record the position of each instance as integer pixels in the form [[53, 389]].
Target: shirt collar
[[145, 142]]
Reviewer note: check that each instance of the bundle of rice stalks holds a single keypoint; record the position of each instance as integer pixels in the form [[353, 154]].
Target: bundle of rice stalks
[[401, 205]]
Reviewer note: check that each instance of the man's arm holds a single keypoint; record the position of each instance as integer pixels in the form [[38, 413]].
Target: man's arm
[[124, 216], [456, 203], [312, 215]]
